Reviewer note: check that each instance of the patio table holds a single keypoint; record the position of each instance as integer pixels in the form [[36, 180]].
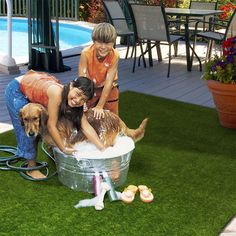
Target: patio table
[[186, 13]]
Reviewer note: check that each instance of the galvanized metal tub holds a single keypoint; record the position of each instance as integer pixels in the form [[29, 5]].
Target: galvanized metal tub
[[77, 173]]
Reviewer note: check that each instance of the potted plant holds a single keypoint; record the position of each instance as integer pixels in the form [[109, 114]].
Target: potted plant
[[220, 73]]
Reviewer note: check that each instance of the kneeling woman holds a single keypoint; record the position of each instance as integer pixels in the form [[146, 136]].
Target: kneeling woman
[[60, 100]]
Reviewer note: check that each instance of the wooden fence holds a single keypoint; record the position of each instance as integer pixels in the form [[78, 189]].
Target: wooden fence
[[67, 9]]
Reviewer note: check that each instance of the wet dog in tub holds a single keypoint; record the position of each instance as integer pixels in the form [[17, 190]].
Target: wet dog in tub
[[34, 119]]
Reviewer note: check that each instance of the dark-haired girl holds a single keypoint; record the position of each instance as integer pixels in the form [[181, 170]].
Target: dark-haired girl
[[60, 100]]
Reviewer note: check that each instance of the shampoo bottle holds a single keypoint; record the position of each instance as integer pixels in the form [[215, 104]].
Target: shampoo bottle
[[97, 180]]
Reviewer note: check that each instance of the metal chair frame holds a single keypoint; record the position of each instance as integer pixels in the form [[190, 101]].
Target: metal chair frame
[[214, 36], [202, 5], [117, 19], [158, 38]]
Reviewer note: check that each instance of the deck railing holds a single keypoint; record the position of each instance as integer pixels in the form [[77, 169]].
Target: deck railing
[[68, 9]]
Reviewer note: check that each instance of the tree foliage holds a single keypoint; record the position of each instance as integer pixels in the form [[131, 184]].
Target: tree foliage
[[92, 10]]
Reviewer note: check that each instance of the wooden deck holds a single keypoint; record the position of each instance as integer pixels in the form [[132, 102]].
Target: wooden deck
[[181, 85]]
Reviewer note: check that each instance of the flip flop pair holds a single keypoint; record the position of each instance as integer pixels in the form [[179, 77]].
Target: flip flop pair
[[128, 194]]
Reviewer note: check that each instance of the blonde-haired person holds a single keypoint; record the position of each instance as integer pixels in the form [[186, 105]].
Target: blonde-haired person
[[99, 62]]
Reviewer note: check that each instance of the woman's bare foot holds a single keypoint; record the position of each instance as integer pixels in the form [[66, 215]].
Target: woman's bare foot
[[36, 174]]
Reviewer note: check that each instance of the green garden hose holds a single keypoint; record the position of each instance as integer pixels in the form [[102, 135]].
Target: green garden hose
[[7, 163], [3, 160]]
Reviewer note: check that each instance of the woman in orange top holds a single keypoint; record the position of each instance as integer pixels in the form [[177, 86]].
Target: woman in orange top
[[99, 62], [60, 100]]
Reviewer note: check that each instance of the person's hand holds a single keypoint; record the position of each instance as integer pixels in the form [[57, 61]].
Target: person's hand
[[68, 150], [85, 107], [102, 147], [98, 113]]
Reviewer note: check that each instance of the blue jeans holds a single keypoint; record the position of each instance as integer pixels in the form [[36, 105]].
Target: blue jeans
[[15, 100]]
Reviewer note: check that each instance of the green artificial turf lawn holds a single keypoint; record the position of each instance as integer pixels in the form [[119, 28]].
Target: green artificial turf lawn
[[186, 158]]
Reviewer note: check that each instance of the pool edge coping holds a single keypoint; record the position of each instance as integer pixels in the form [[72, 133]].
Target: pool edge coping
[[75, 51]]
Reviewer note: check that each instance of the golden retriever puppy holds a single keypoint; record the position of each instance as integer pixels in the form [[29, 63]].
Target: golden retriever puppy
[[34, 119]]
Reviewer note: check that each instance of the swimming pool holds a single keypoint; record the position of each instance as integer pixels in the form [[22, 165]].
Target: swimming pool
[[70, 36]]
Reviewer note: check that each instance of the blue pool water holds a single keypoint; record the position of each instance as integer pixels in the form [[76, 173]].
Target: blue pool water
[[70, 36]]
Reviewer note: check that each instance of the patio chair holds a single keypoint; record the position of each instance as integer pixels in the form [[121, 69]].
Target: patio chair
[[117, 19], [151, 25], [214, 36], [203, 5]]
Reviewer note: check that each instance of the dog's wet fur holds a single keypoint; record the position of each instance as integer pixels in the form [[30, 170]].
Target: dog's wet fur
[[34, 119]]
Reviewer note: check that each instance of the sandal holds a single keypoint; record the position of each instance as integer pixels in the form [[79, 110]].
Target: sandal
[[128, 194], [145, 193]]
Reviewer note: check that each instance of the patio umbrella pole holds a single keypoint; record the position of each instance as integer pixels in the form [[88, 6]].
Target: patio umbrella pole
[[7, 63]]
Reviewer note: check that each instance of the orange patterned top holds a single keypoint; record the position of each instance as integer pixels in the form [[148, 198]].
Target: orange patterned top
[[97, 70], [34, 85]]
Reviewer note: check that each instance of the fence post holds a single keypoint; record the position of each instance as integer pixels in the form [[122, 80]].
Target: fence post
[[77, 10]]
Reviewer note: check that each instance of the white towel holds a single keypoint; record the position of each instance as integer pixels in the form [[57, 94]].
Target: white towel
[[92, 201]]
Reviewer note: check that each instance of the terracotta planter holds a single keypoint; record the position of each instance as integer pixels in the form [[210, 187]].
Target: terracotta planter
[[224, 96]]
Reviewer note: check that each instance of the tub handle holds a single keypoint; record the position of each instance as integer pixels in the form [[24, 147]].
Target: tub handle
[[84, 163]]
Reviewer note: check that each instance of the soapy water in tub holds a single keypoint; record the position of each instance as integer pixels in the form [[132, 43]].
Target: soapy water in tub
[[122, 146]]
